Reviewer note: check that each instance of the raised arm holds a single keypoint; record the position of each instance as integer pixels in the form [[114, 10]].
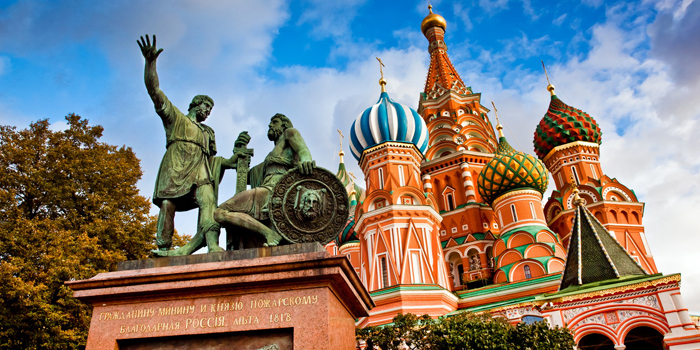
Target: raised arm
[[150, 53], [297, 143]]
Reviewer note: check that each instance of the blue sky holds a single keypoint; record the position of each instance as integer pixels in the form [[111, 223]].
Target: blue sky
[[631, 65]]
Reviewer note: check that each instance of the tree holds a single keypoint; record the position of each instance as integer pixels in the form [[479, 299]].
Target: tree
[[69, 209], [464, 331]]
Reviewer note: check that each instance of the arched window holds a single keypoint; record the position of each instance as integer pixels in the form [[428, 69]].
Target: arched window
[[515, 215], [573, 171], [416, 271], [593, 171], [561, 182], [450, 202], [385, 272], [500, 218], [380, 175], [528, 274], [402, 180], [532, 210]]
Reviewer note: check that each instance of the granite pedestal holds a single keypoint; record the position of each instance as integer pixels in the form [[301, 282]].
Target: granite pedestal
[[289, 297]]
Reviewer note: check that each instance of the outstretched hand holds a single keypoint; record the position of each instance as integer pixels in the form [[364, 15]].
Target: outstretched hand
[[150, 52]]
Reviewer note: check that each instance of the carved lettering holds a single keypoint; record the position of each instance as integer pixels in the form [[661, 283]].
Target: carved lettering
[[150, 328], [206, 322], [118, 315], [176, 310], [291, 301], [221, 307], [245, 320], [283, 317]]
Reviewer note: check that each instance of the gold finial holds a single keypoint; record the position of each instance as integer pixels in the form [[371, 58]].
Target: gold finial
[[577, 199], [432, 20], [550, 87], [341, 153], [382, 81], [499, 127]]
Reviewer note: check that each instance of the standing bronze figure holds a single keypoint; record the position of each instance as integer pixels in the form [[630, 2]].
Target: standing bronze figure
[[189, 173]]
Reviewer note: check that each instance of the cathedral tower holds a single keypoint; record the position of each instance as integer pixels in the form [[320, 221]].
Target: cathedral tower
[[461, 141], [401, 260], [513, 183], [568, 141]]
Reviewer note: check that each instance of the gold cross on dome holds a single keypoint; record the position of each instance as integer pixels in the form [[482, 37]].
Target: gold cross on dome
[[381, 64], [545, 72], [341, 138], [495, 111]]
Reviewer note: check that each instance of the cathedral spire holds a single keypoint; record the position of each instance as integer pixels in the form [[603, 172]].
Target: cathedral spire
[[442, 75]]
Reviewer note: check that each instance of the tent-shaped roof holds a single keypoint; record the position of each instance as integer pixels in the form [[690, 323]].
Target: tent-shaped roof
[[594, 255]]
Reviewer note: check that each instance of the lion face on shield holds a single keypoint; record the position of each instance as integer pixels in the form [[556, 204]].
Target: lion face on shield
[[310, 204]]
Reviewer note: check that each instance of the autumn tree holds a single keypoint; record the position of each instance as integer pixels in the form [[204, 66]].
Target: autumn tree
[[464, 331], [69, 209]]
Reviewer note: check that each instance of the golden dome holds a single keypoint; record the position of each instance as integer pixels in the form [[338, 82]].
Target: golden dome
[[432, 20]]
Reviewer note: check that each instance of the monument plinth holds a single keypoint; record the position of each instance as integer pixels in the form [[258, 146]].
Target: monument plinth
[[288, 297]]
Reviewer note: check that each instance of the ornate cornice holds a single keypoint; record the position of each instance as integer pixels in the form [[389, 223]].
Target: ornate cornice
[[567, 146]]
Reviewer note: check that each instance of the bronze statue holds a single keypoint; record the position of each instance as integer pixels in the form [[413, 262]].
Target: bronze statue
[[189, 173], [249, 211]]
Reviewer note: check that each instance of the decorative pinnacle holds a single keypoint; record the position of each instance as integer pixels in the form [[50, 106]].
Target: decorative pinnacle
[[577, 199], [550, 87], [499, 127], [341, 153], [382, 81], [430, 8]]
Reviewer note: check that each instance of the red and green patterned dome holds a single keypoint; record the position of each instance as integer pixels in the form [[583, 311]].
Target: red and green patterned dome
[[511, 170], [563, 124]]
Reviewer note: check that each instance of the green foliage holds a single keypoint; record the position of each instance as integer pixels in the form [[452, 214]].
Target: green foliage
[[406, 329], [464, 332], [69, 209]]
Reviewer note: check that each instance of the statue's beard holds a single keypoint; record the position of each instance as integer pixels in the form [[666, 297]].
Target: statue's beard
[[274, 133], [309, 213]]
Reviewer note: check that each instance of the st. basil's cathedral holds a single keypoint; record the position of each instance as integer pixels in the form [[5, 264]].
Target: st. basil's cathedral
[[451, 220]]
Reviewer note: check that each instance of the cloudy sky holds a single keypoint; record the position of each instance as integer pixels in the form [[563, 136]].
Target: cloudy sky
[[632, 65]]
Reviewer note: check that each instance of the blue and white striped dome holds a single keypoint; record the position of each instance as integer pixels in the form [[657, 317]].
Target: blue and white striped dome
[[387, 121]]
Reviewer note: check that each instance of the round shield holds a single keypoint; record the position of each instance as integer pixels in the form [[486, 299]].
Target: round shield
[[309, 208]]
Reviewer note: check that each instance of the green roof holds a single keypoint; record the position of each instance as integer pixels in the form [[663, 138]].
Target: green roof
[[503, 287], [594, 255], [603, 285], [477, 235], [490, 306], [406, 288]]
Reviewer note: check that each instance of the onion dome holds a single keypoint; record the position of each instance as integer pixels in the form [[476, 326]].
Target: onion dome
[[348, 233], [432, 20], [387, 121], [563, 124], [510, 170]]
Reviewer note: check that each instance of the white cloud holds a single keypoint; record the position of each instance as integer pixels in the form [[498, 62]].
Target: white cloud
[[462, 12], [559, 20], [493, 6], [620, 83], [330, 18]]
